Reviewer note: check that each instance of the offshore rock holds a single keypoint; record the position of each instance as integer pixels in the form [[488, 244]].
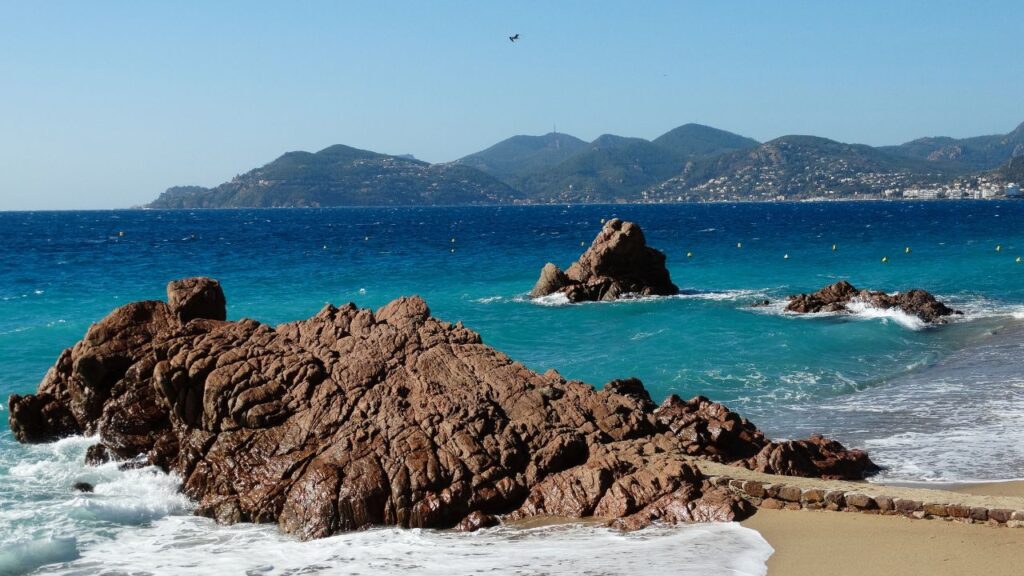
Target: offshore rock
[[354, 418], [619, 263], [836, 297]]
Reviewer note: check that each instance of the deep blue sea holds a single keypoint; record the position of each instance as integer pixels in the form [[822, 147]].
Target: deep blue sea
[[931, 403]]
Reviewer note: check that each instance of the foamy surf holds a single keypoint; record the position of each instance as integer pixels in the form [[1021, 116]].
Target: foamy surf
[[43, 521], [863, 311], [559, 299], [137, 522], [855, 310], [188, 545], [952, 420]]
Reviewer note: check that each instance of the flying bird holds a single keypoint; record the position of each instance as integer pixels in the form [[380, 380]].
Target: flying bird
[[514, 38]]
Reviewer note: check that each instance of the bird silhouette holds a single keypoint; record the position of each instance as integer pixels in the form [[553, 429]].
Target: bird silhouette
[[514, 38]]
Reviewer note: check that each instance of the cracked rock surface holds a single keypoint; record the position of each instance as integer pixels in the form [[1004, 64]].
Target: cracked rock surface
[[354, 418]]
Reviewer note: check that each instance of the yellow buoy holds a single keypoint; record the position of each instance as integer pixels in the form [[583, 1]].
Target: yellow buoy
[[885, 259], [906, 250]]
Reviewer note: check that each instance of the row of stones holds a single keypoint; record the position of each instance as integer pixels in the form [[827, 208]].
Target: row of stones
[[783, 496]]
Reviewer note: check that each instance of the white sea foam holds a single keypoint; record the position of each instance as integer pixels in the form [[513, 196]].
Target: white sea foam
[[556, 299], [559, 299], [43, 521], [952, 420], [864, 311], [489, 299], [975, 307], [721, 295], [183, 545], [855, 310], [137, 522]]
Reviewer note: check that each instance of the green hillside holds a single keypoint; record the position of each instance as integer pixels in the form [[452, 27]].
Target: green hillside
[[344, 176], [521, 155], [966, 154]]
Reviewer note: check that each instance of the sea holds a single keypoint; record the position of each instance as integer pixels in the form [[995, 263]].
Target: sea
[[932, 404]]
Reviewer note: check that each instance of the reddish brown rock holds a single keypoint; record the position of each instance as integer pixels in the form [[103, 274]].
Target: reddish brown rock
[[861, 501], [906, 507], [790, 493], [753, 489], [196, 298], [618, 264], [72, 395], [885, 504], [1000, 515], [475, 521], [813, 495], [958, 511], [836, 297], [708, 429], [815, 457], [355, 418]]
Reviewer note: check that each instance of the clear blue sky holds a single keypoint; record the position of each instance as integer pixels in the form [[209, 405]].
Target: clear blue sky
[[105, 104]]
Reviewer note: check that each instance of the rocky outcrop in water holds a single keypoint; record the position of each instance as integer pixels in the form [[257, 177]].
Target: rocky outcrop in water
[[618, 263], [837, 297], [355, 418]]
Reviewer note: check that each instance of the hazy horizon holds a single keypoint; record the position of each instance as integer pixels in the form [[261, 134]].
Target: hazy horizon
[[106, 105]]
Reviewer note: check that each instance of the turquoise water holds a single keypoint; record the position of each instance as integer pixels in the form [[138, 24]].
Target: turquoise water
[[930, 403]]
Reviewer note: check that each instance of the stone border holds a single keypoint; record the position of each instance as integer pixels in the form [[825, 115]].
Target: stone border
[[781, 496]]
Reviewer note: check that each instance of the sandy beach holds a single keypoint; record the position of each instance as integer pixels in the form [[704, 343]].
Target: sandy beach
[[824, 543]]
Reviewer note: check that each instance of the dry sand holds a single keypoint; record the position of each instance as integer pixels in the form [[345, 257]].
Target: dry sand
[[824, 543]]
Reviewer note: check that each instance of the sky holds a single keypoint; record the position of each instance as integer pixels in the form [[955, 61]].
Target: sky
[[105, 104]]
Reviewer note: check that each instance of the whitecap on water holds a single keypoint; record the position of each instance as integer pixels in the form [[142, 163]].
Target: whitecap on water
[[489, 299]]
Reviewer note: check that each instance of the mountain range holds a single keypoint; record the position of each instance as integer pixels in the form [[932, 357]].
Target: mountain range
[[689, 163]]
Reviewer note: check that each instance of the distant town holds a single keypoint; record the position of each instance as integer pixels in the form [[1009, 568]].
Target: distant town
[[690, 163]]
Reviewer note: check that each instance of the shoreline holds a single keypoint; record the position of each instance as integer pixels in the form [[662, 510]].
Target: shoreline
[[513, 205], [816, 542]]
